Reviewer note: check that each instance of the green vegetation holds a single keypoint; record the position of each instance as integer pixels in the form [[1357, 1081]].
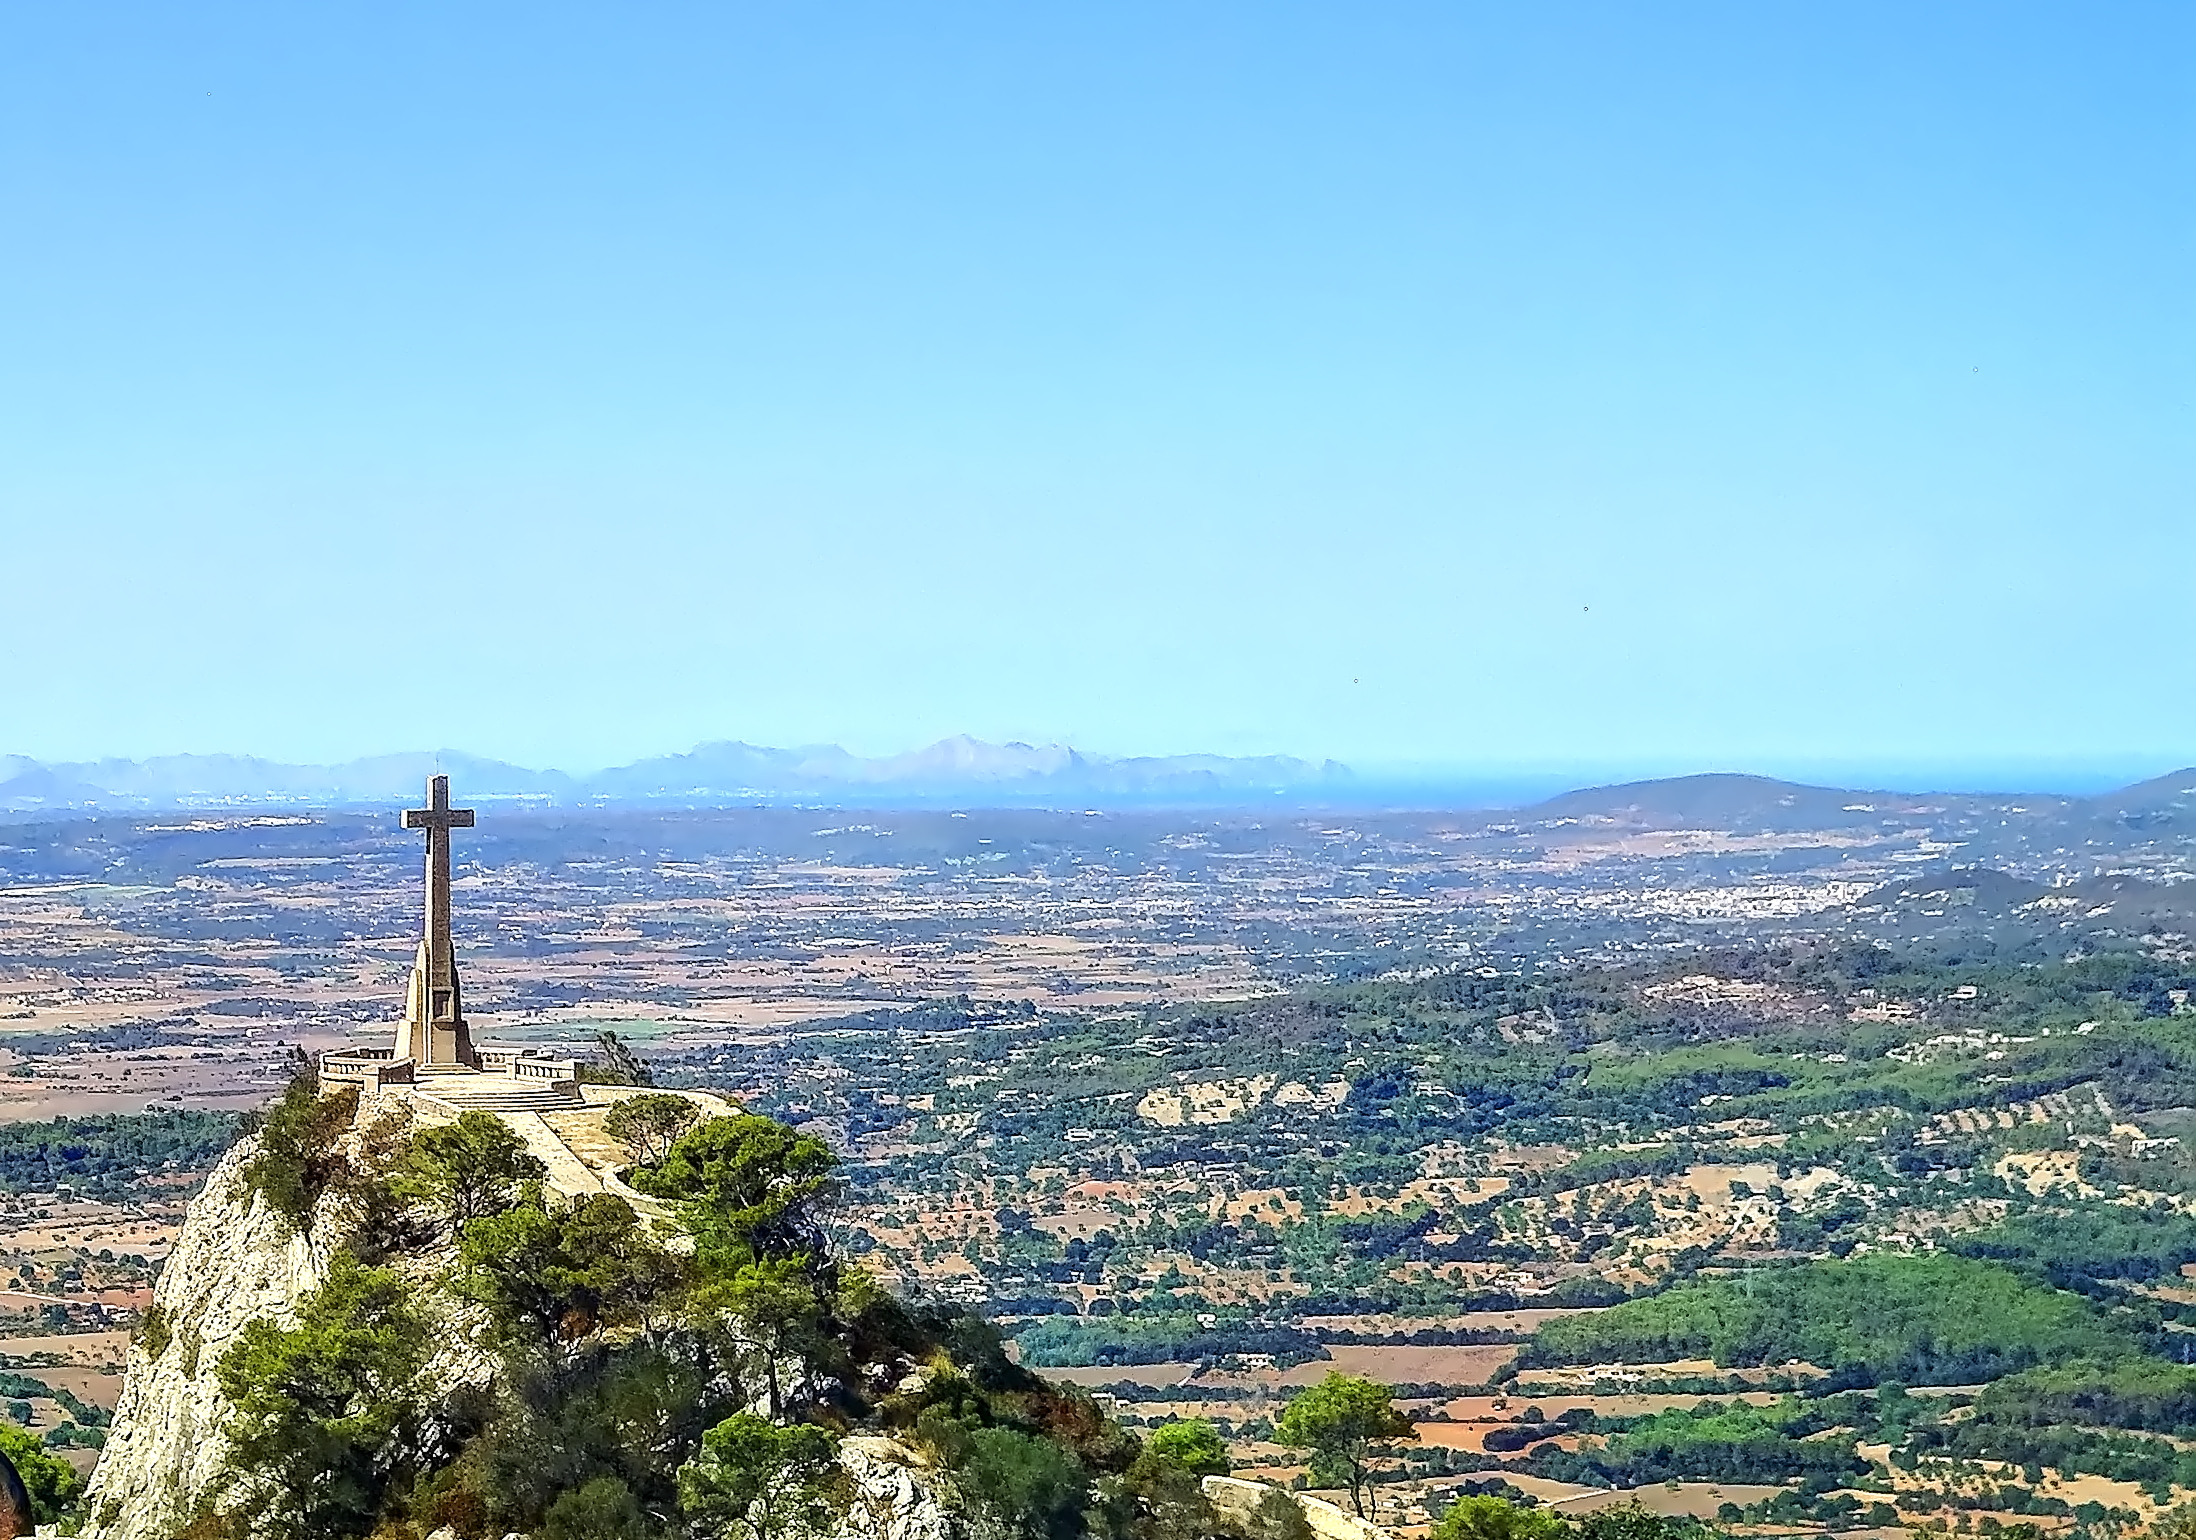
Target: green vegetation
[[2139, 1393], [1191, 1444], [51, 1481], [1346, 1422], [320, 1406], [746, 1187], [756, 1480], [1717, 1441], [629, 1374], [1161, 1336], [649, 1125], [155, 1331], [1486, 1517], [1922, 1320], [1901, 1171], [466, 1170], [2097, 1249], [112, 1156], [299, 1158]]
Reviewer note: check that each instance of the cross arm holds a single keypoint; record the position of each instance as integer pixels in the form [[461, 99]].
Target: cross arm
[[438, 818]]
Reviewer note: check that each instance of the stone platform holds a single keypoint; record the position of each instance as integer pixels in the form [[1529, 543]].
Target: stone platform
[[506, 1080]]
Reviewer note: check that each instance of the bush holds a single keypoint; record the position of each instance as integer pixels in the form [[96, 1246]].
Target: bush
[[604, 1509], [466, 1170], [1035, 1487], [51, 1482], [1192, 1444], [298, 1161], [754, 1480], [1496, 1518]]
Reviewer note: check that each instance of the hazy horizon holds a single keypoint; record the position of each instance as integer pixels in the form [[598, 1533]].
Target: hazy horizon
[[1372, 782]]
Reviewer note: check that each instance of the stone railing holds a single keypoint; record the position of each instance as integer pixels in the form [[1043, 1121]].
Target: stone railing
[[366, 1068], [526, 1067]]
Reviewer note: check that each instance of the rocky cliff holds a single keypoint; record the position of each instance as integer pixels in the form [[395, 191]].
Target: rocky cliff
[[233, 1262]]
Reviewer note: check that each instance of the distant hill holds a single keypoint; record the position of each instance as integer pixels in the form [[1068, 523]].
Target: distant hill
[[1758, 802], [954, 770], [2165, 799], [1725, 802]]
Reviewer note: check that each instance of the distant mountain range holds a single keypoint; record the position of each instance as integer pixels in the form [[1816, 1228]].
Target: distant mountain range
[[954, 770], [967, 772]]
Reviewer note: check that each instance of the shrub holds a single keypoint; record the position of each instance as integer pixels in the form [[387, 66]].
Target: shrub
[[155, 1331], [298, 1159], [1035, 1487], [466, 1170], [1497, 1518], [754, 1480], [319, 1406], [604, 1509], [1192, 1444], [50, 1481], [648, 1125]]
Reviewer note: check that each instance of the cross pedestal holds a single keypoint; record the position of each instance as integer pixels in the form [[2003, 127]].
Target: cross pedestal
[[433, 1035]]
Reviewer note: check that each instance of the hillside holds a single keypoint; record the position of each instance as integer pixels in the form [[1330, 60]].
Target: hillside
[[396, 1328]]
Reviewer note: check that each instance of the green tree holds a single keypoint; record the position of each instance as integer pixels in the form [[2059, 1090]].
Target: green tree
[[777, 1308], [319, 1406], [1632, 1521], [604, 1509], [1165, 1479], [52, 1483], [755, 1480], [1346, 1422], [746, 1186], [1497, 1518], [1037, 1488], [1192, 1444], [553, 1275], [649, 1125], [467, 1170], [299, 1158]]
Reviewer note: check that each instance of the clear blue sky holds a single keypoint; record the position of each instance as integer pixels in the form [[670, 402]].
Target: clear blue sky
[[1632, 387]]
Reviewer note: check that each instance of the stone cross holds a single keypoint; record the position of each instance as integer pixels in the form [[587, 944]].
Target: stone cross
[[434, 1034]]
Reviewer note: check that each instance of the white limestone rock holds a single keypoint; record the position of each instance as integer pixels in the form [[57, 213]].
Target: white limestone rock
[[234, 1262], [898, 1496]]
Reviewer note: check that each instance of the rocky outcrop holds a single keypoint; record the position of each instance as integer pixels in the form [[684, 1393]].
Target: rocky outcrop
[[1239, 1500], [234, 1262], [896, 1495]]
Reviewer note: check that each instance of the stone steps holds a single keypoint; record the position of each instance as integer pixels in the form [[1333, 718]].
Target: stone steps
[[467, 1094]]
